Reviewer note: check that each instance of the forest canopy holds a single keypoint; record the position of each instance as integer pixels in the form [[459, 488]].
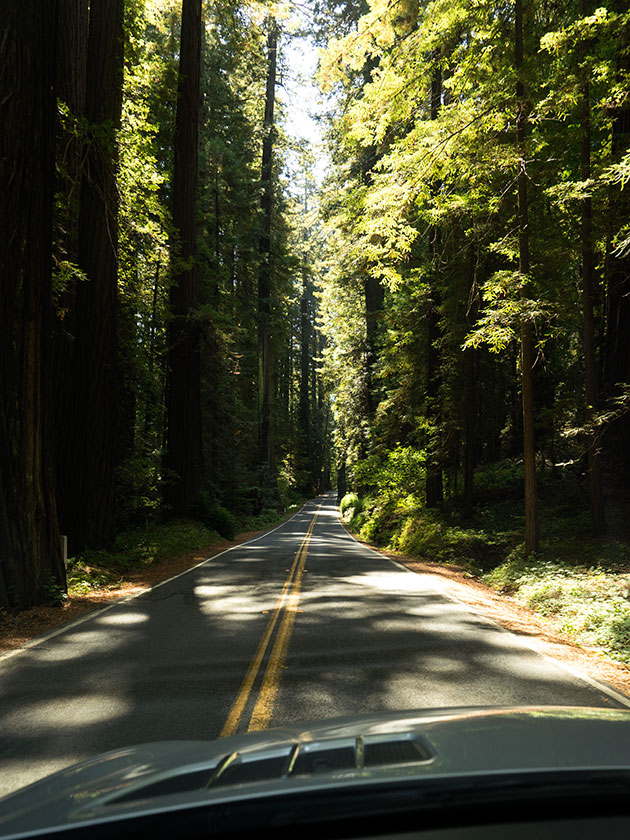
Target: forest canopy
[[194, 326]]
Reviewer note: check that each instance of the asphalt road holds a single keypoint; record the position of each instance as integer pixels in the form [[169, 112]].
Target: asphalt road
[[300, 623]]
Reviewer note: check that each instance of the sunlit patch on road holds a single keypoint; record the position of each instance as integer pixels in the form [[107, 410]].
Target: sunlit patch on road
[[232, 601], [123, 618], [69, 712], [388, 581]]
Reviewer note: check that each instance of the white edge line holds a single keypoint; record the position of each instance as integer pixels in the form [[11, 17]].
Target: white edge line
[[570, 669], [38, 640], [577, 672]]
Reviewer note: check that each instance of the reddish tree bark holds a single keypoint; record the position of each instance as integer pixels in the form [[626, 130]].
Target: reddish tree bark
[[434, 477], [30, 548], [70, 79], [183, 458], [266, 435], [90, 513]]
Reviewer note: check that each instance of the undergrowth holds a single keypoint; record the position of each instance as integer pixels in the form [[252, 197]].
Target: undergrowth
[[138, 548], [588, 603], [135, 549]]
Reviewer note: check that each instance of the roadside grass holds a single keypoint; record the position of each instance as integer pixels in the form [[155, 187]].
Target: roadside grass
[[350, 507], [580, 584], [136, 549], [267, 518]]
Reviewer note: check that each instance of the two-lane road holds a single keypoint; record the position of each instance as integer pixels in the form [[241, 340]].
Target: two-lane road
[[300, 623]]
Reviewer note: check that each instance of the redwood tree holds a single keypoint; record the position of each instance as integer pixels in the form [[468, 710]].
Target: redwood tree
[[30, 549], [89, 510], [266, 433], [588, 294], [434, 482], [616, 349], [71, 45], [183, 396]]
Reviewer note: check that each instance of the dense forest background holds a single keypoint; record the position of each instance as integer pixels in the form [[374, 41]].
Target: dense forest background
[[478, 305], [158, 317], [193, 326]]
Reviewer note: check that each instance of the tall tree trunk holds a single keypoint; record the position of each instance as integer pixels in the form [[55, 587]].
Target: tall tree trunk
[[323, 424], [588, 282], [472, 357], [616, 365], [217, 236], [434, 479], [128, 385], [93, 407], [70, 79], [266, 419], [471, 408], [304, 412], [325, 484], [374, 296], [71, 46], [151, 408], [30, 548], [183, 399], [527, 355], [341, 475]]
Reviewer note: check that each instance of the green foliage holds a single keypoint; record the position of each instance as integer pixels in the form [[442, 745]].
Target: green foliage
[[350, 505], [589, 603], [358, 522], [157, 542], [55, 595], [441, 542], [134, 549], [375, 523], [137, 488], [400, 473], [84, 578], [422, 196], [505, 577], [215, 516], [407, 526], [288, 493], [504, 313], [65, 275], [266, 518]]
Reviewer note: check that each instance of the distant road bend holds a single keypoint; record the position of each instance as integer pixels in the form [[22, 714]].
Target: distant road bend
[[300, 623]]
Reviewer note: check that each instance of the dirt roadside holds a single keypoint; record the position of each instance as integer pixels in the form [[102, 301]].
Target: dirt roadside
[[537, 633], [18, 630]]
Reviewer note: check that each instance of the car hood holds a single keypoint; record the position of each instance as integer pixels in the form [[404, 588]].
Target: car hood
[[362, 750]]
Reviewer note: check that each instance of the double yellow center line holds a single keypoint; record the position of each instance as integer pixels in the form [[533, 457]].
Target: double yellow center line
[[286, 606]]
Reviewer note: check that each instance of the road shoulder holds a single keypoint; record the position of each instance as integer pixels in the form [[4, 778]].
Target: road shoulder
[[462, 586], [17, 630], [538, 634]]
